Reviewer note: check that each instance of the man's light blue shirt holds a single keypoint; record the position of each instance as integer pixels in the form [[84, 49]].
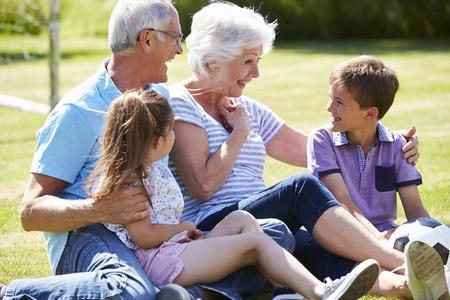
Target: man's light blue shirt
[[68, 144]]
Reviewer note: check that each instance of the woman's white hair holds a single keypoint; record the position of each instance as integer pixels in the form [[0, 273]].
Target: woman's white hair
[[221, 31], [130, 17]]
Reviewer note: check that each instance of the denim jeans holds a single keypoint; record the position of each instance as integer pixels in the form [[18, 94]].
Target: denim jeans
[[95, 264], [297, 201]]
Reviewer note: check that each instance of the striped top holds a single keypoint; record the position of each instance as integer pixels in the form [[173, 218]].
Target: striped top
[[246, 177]]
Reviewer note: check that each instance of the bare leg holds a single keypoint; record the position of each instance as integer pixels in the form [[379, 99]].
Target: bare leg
[[390, 284], [337, 231], [236, 222], [212, 259]]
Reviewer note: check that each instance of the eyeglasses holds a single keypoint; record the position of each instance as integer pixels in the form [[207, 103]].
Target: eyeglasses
[[178, 37]]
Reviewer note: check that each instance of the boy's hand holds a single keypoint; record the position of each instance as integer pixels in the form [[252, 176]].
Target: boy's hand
[[411, 148]]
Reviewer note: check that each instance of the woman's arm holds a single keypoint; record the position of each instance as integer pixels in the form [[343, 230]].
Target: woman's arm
[[202, 173], [289, 146], [412, 204]]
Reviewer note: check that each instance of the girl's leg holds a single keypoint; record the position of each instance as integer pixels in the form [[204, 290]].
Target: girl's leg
[[212, 259], [236, 222], [303, 201]]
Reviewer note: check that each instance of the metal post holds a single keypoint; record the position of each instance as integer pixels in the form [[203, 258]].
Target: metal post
[[54, 55]]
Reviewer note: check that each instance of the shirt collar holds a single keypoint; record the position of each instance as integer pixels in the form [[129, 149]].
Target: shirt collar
[[384, 135], [106, 87]]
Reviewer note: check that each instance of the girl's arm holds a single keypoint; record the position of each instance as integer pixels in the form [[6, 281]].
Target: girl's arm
[[412, 204], [336, 184], [147, 235]]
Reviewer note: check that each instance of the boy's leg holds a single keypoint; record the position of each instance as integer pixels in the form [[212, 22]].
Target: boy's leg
[[95, 265], [302, 200]]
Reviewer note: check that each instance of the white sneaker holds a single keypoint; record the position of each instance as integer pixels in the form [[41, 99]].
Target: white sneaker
[[353, 285], [289, 296], [425, 270]]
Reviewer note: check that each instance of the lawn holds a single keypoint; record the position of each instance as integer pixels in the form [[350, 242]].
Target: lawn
[[293, 83]]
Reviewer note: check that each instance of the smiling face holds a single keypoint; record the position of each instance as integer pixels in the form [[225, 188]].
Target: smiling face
[[346, 113], [232, 76], [163, 51]]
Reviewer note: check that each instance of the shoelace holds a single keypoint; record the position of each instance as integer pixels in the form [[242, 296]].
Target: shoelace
[[330, 284]]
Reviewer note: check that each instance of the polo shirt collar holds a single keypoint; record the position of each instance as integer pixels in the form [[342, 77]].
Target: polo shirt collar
[[384, 135], [106, 87]]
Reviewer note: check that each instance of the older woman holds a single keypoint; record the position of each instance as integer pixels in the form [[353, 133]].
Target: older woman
[[223, 137]]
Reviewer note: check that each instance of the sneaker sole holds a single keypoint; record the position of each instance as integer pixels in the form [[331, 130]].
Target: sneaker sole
[[428, 268], [366, 274]]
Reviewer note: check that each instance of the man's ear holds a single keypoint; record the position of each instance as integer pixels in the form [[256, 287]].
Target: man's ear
[[145, 40], [372, 113]]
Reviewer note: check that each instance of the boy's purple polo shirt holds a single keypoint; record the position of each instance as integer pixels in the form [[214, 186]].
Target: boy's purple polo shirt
[[372, 182]]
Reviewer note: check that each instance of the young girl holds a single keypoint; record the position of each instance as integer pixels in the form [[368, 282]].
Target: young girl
[[137, 135]]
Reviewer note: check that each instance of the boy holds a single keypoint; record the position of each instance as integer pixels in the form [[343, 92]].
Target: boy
[[357, 158]]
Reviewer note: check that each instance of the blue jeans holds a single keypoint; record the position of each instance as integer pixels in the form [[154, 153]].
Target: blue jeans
[[297, 201], [95, 264]]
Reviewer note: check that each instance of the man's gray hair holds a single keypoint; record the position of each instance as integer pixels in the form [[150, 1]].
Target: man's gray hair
[[221, 31], [130, 17]]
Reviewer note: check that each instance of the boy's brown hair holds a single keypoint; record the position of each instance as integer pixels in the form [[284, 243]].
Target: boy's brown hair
[[134, 121], [370, 81]]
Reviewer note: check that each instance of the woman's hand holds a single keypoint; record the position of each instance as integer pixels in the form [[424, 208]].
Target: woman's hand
[[235, 117], [411, 148]]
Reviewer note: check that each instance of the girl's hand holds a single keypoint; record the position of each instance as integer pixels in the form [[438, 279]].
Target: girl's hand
[[196, 234]]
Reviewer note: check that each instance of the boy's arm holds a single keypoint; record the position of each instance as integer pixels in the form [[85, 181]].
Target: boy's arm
[[336, 184], [412, 204]]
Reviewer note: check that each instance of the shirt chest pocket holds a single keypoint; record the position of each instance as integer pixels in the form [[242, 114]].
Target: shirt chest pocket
[[385, 178]]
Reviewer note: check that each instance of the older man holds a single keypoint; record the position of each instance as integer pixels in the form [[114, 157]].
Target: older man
[[89, 261]]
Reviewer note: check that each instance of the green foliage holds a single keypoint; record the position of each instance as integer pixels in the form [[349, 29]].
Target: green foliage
[[22, 16], [346, 18]]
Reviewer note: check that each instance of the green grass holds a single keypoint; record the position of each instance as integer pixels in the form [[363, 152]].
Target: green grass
[[293, 83]]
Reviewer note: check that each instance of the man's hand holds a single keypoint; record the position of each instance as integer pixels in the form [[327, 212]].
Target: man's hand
[[411, 148], [126, 206]]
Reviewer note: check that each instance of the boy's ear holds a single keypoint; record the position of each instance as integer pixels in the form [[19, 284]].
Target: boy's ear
[[372, 113]]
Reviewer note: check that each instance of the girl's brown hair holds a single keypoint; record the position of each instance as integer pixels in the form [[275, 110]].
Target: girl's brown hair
[[134, 120]]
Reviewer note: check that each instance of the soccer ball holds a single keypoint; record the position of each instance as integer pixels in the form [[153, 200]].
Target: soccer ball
[[427, 230]]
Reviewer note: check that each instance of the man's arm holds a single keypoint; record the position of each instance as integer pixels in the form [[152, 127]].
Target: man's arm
[[42, 210]]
